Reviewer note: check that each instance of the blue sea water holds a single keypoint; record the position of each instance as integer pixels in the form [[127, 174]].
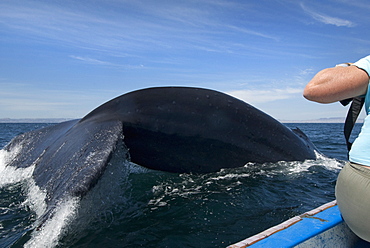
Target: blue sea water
[[136, 207]]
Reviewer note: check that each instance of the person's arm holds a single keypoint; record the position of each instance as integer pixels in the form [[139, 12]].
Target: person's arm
[[338, 83]]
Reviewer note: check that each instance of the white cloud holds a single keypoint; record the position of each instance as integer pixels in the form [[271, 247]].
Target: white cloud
[[263, 96], [252, 32], [326, 19], [305, 72], [90, 60], [93, 61]]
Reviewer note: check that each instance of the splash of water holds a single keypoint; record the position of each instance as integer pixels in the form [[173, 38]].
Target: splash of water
[[51, 231], [55, 227]]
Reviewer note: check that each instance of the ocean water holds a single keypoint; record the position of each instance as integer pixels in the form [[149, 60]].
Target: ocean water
[[135, 207]]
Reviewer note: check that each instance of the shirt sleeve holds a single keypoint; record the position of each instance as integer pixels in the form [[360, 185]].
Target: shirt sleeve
[[364, 64]]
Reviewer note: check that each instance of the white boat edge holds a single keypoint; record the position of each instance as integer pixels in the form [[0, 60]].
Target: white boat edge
[[320, 227]]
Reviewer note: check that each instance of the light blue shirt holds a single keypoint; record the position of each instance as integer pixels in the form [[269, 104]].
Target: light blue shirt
[[360, 151]]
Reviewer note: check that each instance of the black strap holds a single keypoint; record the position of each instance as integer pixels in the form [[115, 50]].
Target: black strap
[[353, 113]]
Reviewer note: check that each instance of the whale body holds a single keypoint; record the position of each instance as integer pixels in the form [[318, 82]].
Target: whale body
[[172, 129]]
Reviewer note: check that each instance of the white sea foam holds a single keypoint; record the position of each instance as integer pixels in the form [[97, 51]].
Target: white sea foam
[[229, 176], [35, 198], [9, 174], [294, 167], [298, 167], [52, 230], [12, 175], [55, 227], [329, 163]]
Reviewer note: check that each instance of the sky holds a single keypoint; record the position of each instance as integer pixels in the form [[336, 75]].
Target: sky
[[63, 58]]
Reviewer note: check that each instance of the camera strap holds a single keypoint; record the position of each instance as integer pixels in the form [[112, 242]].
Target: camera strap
[[353, 113]]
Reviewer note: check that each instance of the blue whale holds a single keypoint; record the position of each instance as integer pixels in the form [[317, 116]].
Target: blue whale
[[173, 129]]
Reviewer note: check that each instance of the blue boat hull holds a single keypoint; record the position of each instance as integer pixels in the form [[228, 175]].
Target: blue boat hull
[[320, 227]]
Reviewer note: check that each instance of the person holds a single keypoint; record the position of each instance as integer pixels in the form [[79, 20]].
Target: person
[[352, 189]]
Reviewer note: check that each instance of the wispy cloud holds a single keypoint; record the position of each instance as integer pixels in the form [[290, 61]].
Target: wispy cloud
[[263, 96], [92, 61], [326, 19], [252, 32], [307, 71], [165, 26]]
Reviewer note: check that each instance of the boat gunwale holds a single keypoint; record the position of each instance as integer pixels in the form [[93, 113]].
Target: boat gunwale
[[282, 226]]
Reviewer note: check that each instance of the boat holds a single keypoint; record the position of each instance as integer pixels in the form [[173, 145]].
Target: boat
[[320, 227]]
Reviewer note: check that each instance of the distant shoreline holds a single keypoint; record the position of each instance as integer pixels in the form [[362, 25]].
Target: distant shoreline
[[321, 120], [34, 120], [58, 120]]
